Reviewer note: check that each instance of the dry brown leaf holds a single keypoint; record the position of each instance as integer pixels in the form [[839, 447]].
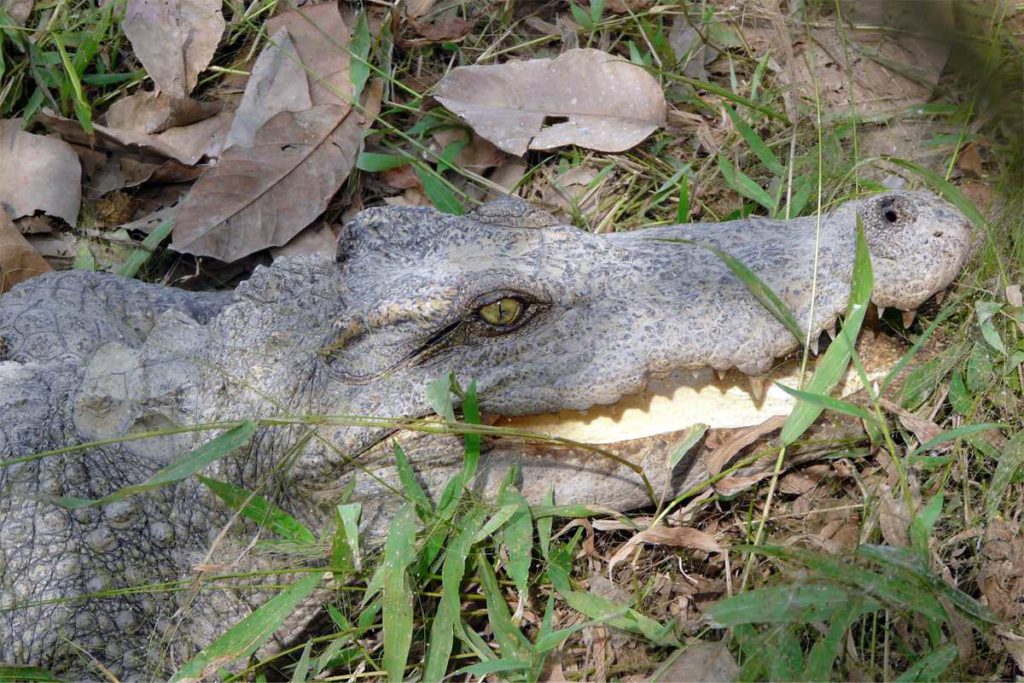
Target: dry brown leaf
[[174, 39], [450, 28], [321, 39], [262, 196], [477, 155], [152, 112], [969, 161], [320, 239], [417, 8], [675, 536], [18, 260], [893, 518], [924, 430], [186, 144], [1000, 578], [278, 83], [607, 103], [17, 10], [703, 661], [739, 440], [1016, 299], [38, 173]]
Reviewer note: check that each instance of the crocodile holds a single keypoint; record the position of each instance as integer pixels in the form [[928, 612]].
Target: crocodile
[[544, 317]]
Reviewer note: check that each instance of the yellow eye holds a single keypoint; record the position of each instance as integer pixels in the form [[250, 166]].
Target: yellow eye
[[502, 312]]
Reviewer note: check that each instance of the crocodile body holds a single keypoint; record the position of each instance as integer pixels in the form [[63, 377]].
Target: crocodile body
[[544, 317]]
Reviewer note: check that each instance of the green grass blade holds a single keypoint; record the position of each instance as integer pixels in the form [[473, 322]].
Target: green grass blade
[[375, 162], [245, 637], [952, 434], [932, 666], [501, 515], [496, 666], [345, 553], [828, 403], [745, 185], [514, 645], [359, 68], [139, 257], [448, 611], [83, 112], [438, 191], [399, 552], [260, 510], [683, 210], [835, 360], [756, 144], [517, 537], [788, 604], [212, 450], [923, 522], [302, 668], [1009, 465], [823, 653], [25, 673], [410, 485], [755, 285], [689, 439]]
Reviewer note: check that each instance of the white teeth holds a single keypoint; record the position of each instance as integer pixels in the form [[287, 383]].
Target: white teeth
[[939, 296], [721, 375], [908, 318], [832, 331], [757, 387], [814, 345], [881, 312]]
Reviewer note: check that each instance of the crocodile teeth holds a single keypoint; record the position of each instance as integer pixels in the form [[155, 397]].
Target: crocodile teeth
[[814, 345], [721, 375], [881, 312], [832, 331], [908, 318], [757, 387]]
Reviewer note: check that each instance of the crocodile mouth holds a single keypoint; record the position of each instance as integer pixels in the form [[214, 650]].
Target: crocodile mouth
[[685, 398]]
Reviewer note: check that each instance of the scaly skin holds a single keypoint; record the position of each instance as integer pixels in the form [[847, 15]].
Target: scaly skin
[[91, 356]]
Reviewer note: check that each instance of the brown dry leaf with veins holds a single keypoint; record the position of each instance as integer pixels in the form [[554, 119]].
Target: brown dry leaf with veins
[[39, 173], [18, 260], [600, 102], [174, 39]]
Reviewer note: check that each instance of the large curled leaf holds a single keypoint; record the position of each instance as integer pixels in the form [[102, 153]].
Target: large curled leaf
[[262, 196], [38, 173], [607, 103]]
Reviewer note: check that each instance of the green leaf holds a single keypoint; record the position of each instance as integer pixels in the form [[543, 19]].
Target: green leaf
[[683, 210], [439, 395], [359, 67], [833, 363], [438, 191], [619, 616], [399, 552], [517, 537], [756, 144], [212, 450], [957, 433], [375, 162], [25, 673], [932, 666], [448, 611], [502, 515], [302, 668], [245, 637], [828, 403], [824, 652], [923, 522], [690, 438], [410, 485], [985, 311], [495, 666], [513, 643], [83, 112], [744, 184], [139, 257], [1010, 462], [787, 604], [959, 398], [260, 510], [980, 372], [345, 553]]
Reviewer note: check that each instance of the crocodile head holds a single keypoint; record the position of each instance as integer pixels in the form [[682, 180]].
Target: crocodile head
[[547, 317]]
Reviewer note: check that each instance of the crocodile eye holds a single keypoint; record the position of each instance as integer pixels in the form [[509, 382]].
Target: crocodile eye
[[503, 312]]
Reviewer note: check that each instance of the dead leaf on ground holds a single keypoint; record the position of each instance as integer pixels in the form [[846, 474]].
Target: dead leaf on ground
[[417, 8], [448, 29], [321, 39], [476, 154], [39, 173], [599, 101], [688, 43], [893, 517], [321, 239], [17, 10], [18, 260], [703, 661], [969, 161], [675, 536], [174, 39], [1000, 578], [152, 112], [185, 144], [278, 83], [924, 430]]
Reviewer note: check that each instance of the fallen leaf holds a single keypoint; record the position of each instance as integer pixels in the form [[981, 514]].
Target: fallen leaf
[[417, 8], [152, 112], [402, 178], [999, 577], [675, 536], [969, 161], [688, 43], [321, 239], [39, 173], [740, 439], [893, 517], [17, 10], [703, 661], [599, 101], [1016, 299], [924, 430], [448, 29], [174, 39], [277, 84], [18, 260], [476, 155], [186, 144], [321, 39], [262, 196]]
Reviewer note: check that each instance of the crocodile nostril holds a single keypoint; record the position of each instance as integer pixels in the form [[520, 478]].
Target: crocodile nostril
[[937, 233], [891, 216]]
